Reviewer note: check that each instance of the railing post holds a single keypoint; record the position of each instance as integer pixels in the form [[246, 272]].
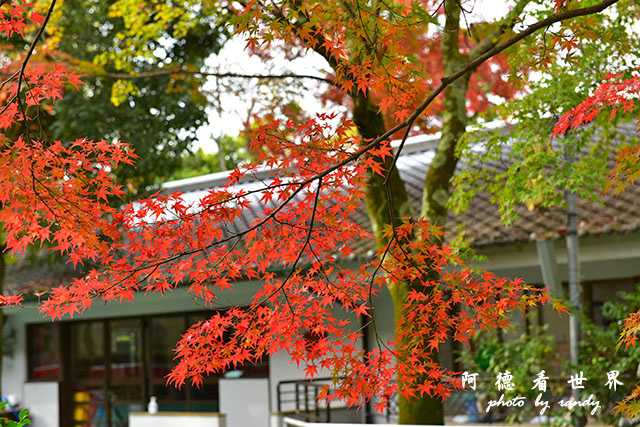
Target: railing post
[[306, 402], [328, 411], [315, 403], [279, 397]]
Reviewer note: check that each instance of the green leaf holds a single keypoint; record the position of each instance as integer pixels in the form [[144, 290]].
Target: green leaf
[[23, 413]]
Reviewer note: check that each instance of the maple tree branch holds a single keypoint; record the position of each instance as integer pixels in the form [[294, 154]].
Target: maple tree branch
[[407, 123], [28, 57], [242, 233], [507, 23], [364, 35], [379, 266], [447, 80], [485, 52], [350, 11], [167, 72], [307, 241], [5, 82], [323, 268], [235, 197], [292, 270], [238, 236], [570, 14], [405, 255], [319, 40], [9, 102]]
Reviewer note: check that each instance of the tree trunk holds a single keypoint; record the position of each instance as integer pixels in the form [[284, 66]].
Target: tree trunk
[[418, 410], [435, 195]]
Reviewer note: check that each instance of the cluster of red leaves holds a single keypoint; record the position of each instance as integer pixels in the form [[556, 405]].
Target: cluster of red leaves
[[326, 301], [617, 95], [50, 191], [12, 18], [309, 200], [308, 182], [35, 87], [58, 193], [391, 60], [446, 300]]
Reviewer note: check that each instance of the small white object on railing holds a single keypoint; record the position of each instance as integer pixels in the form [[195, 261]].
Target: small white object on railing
[[153, 405]]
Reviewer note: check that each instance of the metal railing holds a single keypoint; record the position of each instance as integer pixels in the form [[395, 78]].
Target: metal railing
[[301, 397]]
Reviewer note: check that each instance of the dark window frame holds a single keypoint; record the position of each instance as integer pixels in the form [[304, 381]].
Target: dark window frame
[[66, 348]]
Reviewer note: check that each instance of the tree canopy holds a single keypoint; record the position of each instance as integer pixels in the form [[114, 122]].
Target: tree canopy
[[399, 67], [159, 117]]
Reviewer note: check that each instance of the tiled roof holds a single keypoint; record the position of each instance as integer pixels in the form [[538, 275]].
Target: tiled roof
[[29, 277], [612, 215], [481, 221]]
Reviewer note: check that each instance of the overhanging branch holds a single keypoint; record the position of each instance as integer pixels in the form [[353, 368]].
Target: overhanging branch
[[172, 71], [506, 24], [447, 80]]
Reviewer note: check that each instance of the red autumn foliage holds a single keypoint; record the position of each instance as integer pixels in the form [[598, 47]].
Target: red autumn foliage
[[616, 95], [57, 192]]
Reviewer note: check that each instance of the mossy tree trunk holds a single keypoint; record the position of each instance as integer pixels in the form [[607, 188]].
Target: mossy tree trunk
[[435, 194], [419, 410], [382, 203], [385, 203]]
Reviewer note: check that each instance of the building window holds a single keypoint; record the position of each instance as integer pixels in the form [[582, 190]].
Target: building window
[[44, 352], [116, 365], [87, 354]]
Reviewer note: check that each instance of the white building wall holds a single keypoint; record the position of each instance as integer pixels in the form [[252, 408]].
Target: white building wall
[[42, 401], [191, 419], [14, 360], [245, 401]]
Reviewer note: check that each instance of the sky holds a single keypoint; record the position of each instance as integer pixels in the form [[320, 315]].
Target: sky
[[233, 58]]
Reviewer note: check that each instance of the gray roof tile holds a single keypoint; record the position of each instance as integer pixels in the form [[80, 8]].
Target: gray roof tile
[[481, 221]]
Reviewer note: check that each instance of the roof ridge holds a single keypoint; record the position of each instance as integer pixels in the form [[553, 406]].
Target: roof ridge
[[413, 144]]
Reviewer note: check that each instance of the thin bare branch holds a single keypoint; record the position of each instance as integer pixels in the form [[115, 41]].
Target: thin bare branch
[[447, 80], [172, 71], [507, 23], [28, 57]]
